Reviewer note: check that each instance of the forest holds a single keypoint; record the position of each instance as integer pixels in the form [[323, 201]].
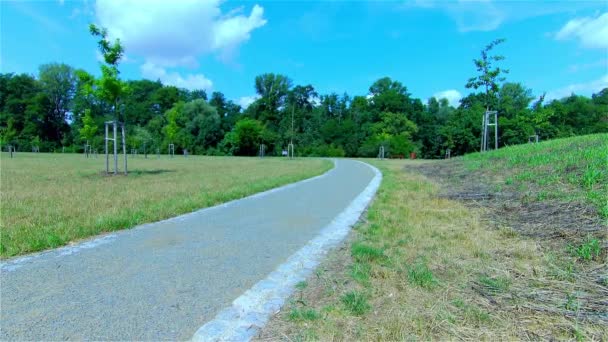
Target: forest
[[64, 109]]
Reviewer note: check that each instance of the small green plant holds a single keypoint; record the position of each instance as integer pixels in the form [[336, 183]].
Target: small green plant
[[356, 303], [588, 250], [590, 177], [571, 302], [495, 284], [421, 275], [365, 253], [302, 285], [360, 272], [303, 315]]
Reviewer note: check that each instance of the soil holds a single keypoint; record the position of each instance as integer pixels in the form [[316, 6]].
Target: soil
[[552, 224], [549, 219]]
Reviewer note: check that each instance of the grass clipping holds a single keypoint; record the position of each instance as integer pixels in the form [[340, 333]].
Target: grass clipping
[[426, 267]]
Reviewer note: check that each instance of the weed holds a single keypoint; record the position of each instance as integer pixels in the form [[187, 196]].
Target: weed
[[495, 284], [588, 250], [303, 315], [360, 272], [356, 303], [365, 253], [302, 285], [419, 274], [571, 302]]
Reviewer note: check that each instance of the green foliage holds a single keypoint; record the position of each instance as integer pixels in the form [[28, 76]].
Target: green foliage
[[360, 272], [588, 250], [303, 315], [366, 253], [489, 75], [494, 284], [420, 274], [89, 127], [356, 303], [333, 125], [246, 137], [172, 116]]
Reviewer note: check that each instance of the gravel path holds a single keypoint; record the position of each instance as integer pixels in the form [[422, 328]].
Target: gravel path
[[162, 281]]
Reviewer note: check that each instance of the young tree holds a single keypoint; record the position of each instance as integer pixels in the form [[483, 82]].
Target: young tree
[[489, 76], [171, 129], [88, 130], [109, 87]]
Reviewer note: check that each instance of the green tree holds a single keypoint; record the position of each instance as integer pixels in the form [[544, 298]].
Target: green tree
[[273, 90], [171, 129], [109, 86], [88, 130], [246, 137], [489, 75], [203, 124]]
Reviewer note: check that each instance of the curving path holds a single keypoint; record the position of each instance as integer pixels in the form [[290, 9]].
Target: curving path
[[164, 280]]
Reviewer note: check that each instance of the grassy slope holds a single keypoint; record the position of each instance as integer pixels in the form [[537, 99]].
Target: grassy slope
[[48, 200], [422, 266], [571, 169]]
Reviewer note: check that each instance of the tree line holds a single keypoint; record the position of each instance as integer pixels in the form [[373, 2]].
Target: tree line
[[65, 108]]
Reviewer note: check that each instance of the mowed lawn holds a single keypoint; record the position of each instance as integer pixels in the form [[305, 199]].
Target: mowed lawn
[[49, 200]]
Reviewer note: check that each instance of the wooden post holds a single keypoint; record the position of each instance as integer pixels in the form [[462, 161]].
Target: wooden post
[[107, 152], [115, 150], [124, 146]]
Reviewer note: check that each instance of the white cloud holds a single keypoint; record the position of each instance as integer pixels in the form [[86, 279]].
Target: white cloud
[[587, 66], [487, 15], [190, 81], [245, 101], [592, 32], [175, 33], [579, 88], [453, 96]]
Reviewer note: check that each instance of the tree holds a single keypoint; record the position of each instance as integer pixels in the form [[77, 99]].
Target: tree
[[109, 87], [489, 75], [203, 124], [171, 129], [88, 130], [246, 137], [273, 90], [58, 82]]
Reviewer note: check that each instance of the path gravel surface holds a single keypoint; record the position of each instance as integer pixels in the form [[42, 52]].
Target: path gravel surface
[[164, 280]]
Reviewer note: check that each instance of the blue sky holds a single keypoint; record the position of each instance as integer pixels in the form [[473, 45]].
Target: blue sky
[[337, 46]]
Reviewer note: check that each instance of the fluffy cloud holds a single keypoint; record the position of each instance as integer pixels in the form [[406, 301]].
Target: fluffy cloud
[[453, 96], [175, 33], [245, 101], [579, 88], [190, 81], [592, 32]]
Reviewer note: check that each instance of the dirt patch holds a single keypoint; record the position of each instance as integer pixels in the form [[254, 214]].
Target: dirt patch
[[578, 290], [568, 222]]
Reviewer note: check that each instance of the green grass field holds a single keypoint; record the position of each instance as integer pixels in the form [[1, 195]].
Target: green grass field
[[49, 200]]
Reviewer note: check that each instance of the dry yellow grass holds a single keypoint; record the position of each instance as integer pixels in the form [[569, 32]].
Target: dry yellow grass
[[429, 268], [48, 200]]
